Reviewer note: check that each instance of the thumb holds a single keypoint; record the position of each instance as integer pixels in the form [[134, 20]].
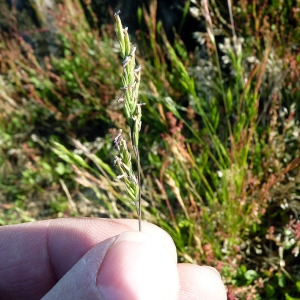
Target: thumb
[[134, 265]]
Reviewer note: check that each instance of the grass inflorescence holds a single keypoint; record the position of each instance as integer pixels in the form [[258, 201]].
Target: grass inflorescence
[[133, 113]]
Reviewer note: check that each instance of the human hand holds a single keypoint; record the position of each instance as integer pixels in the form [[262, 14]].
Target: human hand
[[80, 258]]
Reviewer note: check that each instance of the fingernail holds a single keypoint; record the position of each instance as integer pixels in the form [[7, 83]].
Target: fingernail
[[137, 267]]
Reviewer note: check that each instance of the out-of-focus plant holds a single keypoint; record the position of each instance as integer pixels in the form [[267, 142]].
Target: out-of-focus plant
[[219, 147]]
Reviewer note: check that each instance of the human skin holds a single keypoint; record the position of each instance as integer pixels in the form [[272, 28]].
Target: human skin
[[85, 258]]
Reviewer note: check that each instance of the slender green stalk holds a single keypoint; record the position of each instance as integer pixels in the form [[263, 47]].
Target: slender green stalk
[[133, 113]]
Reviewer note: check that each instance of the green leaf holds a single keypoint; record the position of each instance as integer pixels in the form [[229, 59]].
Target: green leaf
[[60, 168], [270, 291], [185, 223], [288, 297], [243, 269], [281, 280], [105, 166], [251, 275], [46, 166]]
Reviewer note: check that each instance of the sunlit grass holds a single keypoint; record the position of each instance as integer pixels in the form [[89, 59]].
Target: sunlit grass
[[219, 152]]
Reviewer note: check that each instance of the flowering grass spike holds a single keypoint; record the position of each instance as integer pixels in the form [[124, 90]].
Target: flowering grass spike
[[132, 109]]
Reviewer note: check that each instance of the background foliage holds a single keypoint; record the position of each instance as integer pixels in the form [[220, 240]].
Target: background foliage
[[219, 142]]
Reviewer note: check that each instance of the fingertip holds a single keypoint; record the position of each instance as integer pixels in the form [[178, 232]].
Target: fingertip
[[200, 282], [138, 266], [133, 265]]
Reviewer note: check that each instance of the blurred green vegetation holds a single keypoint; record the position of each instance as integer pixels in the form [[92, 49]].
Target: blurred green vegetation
[[220, 150]]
